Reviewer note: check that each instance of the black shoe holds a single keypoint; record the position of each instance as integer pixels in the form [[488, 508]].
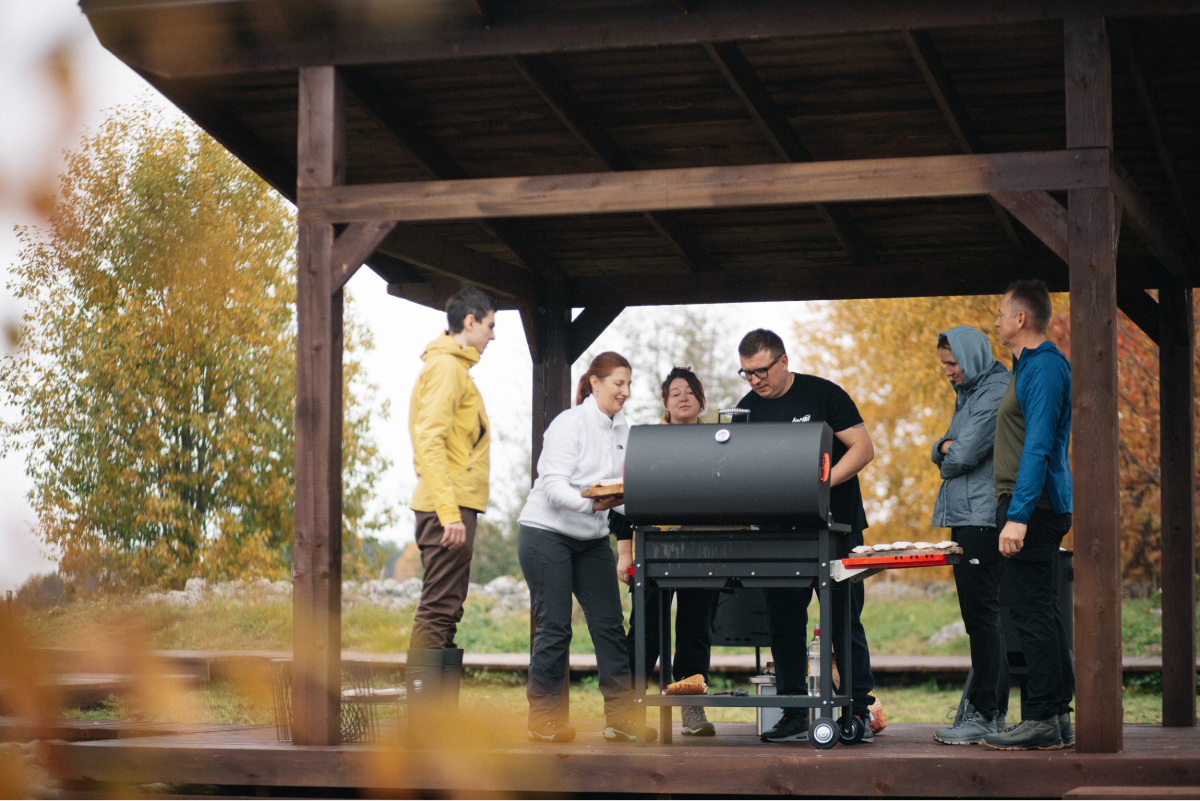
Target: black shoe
[[626, 731], [789, 729], [552, 731]]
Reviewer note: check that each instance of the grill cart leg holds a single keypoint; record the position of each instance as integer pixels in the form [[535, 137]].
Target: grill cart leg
[[639, 646], [825, 600], [664, 660]]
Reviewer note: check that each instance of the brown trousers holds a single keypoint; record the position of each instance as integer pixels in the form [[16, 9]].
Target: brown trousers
[[447, 574]]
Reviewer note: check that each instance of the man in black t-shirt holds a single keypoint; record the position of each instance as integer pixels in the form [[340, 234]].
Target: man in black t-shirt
[[778, 395]]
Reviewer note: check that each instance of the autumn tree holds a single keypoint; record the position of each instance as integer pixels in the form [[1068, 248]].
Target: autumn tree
[[155, 375], [883, 353]]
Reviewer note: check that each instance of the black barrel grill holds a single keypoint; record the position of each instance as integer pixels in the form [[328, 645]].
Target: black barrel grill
[[729, 506]]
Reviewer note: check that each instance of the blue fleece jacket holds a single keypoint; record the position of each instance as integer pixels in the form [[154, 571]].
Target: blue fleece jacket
[[1043, 385]]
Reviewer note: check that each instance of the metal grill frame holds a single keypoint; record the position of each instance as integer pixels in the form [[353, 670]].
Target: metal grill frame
[[692, 557]]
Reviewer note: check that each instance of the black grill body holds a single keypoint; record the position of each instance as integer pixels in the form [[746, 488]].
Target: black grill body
[[762, 474]]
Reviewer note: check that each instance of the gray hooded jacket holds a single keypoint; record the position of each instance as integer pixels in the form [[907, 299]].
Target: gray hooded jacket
[[968, 494]]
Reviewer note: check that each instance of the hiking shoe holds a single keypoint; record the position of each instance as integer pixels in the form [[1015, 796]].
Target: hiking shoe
[[970, 729], [552, 731], [789, 729], [626, 731], [695, 722], [868, 735], [1028, 735], [1065, 730]]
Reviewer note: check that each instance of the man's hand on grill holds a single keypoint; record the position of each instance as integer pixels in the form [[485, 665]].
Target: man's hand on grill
[[607, 502], [1012, 538]]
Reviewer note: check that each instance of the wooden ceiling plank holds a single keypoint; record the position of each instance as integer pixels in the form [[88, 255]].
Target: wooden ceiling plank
[[774, 124], [1125, 37], [709, 188], [354, 246], [571, 110], [1160, 238], [589, 325], [379, 103], [937, 78]]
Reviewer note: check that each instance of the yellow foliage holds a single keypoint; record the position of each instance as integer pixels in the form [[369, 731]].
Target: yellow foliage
[[884, 353], [156, 376]]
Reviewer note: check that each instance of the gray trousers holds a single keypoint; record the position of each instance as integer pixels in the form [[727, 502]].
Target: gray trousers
[[556, 567]]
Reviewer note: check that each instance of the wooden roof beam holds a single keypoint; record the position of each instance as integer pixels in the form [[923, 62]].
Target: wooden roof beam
[[1160, 238], [571, 110], [1125, 38], [442, 165], [774, 124], [709, 187], [419, 247], [159, 35], [930, 63], [589, 325]]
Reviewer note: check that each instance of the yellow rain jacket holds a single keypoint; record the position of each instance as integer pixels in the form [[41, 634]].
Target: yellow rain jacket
[[450, 433]]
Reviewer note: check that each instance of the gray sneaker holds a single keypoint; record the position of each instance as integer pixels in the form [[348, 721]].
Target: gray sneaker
[[1028, 735], [970, 729], [1065, 730], [695, 722]]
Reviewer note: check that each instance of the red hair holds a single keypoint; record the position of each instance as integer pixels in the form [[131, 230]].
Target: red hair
[[602, 367]]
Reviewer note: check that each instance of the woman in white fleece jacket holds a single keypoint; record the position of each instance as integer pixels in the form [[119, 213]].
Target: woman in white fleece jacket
[[564, 551]]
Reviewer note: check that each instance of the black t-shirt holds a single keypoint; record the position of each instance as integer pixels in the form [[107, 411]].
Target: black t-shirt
[[815, 400]]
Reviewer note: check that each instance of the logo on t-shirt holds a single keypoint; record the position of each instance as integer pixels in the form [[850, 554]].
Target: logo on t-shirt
[[803, 419]]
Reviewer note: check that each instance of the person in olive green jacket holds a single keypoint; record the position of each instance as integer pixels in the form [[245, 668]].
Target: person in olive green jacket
[[450, 438]]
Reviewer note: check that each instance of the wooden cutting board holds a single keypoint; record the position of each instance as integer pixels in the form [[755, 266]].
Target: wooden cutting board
[[603, 492]]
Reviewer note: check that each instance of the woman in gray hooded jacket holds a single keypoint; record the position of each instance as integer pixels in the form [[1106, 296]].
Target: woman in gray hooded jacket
[[966, 504]]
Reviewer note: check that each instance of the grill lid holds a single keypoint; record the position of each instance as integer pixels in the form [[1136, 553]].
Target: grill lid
[[760, 474]]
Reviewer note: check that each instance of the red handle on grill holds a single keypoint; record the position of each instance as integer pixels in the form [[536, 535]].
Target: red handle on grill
[[824, 467]]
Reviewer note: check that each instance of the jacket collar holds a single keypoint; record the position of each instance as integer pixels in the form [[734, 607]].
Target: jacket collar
[[600, 417]]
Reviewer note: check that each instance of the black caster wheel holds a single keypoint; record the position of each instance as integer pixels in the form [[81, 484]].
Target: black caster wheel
[[823, 733], [853, 729]]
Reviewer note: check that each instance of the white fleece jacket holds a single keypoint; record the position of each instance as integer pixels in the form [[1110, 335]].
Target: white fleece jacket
[[581, 446]]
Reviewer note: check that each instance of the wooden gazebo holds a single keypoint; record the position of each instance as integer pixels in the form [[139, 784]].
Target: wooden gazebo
[[599, 154]]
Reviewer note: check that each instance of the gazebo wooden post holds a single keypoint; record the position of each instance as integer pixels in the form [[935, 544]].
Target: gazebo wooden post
[[1177, 466], [551, 395], [1093, 225], [317, 556]]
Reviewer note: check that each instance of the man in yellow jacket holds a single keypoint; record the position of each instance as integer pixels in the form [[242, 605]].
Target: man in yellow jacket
[[450, 437]]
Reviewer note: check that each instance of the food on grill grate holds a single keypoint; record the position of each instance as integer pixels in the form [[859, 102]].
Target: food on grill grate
[[692, 685]]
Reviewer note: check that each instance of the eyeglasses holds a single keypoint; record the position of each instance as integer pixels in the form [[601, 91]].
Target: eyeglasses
[[761, 372]]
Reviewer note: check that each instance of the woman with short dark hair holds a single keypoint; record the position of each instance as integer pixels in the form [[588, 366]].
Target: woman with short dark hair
[[564, 551], [683, 401]]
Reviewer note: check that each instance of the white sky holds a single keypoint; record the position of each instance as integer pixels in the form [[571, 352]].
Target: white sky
[[33, 132]]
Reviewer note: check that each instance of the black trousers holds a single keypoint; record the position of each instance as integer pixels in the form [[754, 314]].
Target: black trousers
[[693, 633], [977, 578], [787, 616], [556, 567], [1031, 587]]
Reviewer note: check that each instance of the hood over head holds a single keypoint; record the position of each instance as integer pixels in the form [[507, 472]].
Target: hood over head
[[971, 350]]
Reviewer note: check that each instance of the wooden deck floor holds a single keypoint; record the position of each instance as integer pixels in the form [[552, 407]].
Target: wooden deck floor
[[903, 761]]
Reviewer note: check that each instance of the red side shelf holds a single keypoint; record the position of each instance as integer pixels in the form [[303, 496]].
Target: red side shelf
[[900, 560]]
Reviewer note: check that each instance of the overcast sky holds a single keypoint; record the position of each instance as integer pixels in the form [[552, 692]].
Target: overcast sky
[[34, 128]]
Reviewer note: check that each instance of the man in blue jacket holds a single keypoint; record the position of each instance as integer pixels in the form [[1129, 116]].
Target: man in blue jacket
[[1033, 493], [966, 504]]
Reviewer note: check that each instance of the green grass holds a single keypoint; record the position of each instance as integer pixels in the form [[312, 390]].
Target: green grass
[[501, 696]]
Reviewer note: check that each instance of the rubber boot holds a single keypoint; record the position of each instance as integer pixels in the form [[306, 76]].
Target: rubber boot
[[452, 673], [423, 677]]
